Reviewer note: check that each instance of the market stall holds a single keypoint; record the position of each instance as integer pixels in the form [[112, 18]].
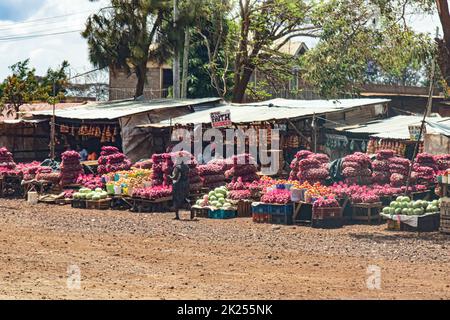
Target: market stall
[[115, 124]]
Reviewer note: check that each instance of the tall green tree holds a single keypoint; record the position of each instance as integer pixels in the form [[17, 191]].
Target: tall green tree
[[24, 86], [214, 38], [360, 35], [125, 35], [264, 27]]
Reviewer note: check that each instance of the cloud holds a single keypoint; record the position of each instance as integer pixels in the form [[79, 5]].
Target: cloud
[[45, 52]]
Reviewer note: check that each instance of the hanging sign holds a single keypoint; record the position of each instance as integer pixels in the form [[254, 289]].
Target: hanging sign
[[221, 119], [414, 132]]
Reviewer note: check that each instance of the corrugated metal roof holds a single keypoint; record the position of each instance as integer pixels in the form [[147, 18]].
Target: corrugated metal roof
[[118, 109], [392, 128], [277, 109]]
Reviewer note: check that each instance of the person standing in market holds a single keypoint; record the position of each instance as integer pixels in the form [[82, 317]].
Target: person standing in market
[[180, 191]]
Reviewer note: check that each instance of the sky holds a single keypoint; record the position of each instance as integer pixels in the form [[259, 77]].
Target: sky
[[20, 18], [25, 17]]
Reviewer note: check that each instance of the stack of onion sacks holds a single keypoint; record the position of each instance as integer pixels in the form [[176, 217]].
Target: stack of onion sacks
[[70, 167]]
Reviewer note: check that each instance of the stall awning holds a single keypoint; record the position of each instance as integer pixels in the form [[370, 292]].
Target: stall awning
[[277, 109], [119, 109]]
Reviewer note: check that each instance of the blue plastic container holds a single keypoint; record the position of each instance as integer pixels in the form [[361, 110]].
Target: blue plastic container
[[281, 210], [222, 214]]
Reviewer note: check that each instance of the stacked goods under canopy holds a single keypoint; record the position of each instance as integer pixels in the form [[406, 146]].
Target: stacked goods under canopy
[[399, 169], [112, 160], [7, 164], [425, 168], [381, 173], [311, 167], [356, 169], [70, 167], [244, 169]]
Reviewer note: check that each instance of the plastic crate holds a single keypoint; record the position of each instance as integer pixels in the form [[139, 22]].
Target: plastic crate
[[222, 214], [260, 208], [262, 218], [286, 220], [103, 204], [281, 210]]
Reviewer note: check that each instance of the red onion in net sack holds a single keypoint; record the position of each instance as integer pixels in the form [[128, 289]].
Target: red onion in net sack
[[322, 158], [277, 197], [240, 194], [353, 165], [385, 154], [303, 154], [380, 165], [326, 203]]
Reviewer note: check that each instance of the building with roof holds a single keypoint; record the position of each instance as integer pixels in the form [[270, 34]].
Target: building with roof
[[394, 133], [115, 123], [28, 138]]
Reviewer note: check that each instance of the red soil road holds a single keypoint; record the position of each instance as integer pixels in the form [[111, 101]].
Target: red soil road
[[122, 255]]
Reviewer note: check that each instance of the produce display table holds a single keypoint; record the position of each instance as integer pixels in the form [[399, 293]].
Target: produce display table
[[425, 223], [40, 187], [103, 204], [367, 212], [120, 202], [144, 205]]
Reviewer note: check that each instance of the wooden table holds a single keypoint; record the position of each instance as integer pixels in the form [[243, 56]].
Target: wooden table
[[371, 215], [92, 163]]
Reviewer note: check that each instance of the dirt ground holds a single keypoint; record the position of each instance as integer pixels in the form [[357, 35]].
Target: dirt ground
[[124, 255]]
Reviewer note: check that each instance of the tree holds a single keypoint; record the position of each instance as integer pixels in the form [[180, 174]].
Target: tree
[[121, 36], [213, 47], [23, 86], [265, 26], [444, 44], [358, 35]]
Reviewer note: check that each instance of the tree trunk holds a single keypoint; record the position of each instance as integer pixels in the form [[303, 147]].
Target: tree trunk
[[184, 77], [141, 74], [444, 44], [241, 86], [176, 56]]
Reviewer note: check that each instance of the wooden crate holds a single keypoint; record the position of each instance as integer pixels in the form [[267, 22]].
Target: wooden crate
[[244, 208], [445, 224], [79, 204], [199, 212], [103, 204], [367, 212], [327, 218]]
